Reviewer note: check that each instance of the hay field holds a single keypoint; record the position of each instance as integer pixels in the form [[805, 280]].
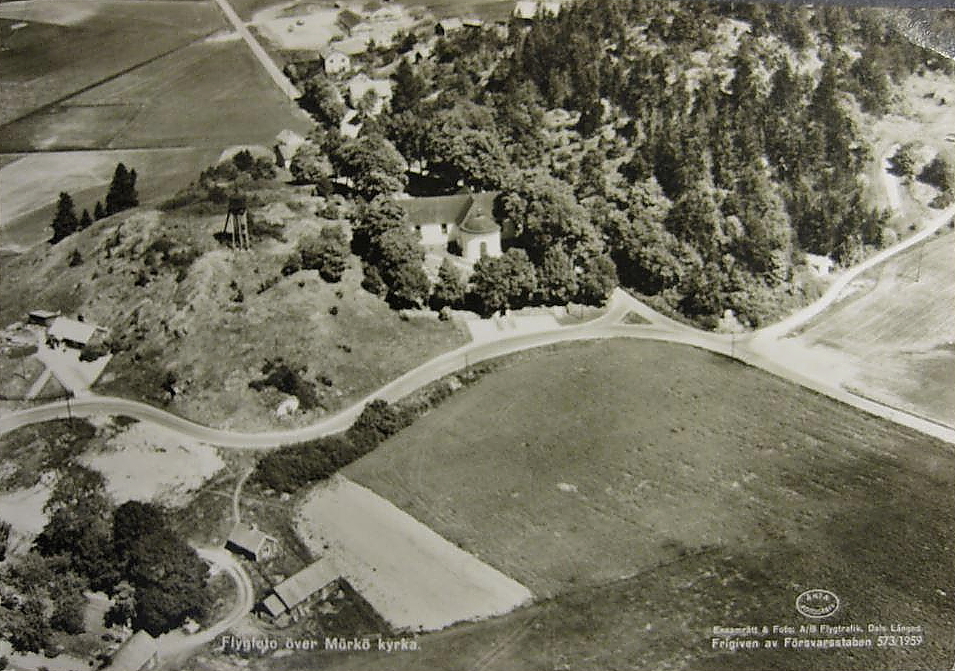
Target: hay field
[[894, 338], [655, 491], [68, 45], [211, 93]]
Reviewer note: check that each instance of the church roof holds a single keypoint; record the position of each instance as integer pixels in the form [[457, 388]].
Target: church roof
[[457, 209], [478, 223]]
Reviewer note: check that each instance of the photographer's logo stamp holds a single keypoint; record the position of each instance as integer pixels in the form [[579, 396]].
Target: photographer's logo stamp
[[817, 603]]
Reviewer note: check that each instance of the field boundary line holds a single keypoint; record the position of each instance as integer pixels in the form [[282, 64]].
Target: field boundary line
[[89, 87]]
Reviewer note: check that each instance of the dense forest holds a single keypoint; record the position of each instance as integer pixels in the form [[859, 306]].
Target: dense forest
[[703, 147]]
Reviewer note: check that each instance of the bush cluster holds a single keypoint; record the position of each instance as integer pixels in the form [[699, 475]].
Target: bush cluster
[[288, 380], [294, 466]]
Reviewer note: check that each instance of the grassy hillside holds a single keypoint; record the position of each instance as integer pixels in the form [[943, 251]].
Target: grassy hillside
[[190, 316], [656, 491]]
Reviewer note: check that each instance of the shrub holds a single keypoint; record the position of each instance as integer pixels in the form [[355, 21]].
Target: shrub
[[93, 352], [289, 381]]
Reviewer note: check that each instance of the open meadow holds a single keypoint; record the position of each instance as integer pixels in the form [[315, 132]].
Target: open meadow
[[893, 338], [651, 491]]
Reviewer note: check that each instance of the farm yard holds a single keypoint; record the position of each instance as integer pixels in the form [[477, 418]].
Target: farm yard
[[893, 338], [651, 491]]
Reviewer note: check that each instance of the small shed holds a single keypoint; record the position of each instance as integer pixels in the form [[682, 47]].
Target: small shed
[[287, 144], [42, 317], [821, 265], [72, 333], [251, 543], [140, 651], [347, 20]]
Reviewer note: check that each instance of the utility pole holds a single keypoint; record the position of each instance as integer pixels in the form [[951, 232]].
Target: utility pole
[[69, 410]]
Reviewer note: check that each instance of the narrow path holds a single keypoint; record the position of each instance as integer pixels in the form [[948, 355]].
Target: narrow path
[[237, 496], [39, 383], [277, 75]]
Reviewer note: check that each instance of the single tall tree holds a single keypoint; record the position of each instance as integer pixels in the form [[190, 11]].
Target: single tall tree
[[85, 220], [64, 221], [122, 191]]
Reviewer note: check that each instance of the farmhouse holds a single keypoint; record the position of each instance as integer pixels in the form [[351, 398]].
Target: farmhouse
[[251, 543], [335, 62], [72, 333], [140, 651], [464, 219], [316, 577], [361, 87]]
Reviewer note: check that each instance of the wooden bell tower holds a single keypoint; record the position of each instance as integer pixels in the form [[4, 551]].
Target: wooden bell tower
[[238, 218]]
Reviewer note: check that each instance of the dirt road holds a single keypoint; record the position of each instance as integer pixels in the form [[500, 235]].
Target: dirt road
[[176, 645], [277, 75]]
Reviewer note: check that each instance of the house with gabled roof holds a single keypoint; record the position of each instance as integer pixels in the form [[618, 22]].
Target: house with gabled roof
[[348, 20], [249, 542], [315, 577], [72, 333], [464, 219]]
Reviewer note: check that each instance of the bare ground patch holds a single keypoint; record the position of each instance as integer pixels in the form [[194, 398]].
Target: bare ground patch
[[412, 577], [144, 462]]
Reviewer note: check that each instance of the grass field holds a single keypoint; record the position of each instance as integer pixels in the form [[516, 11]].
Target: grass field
[[894, 338], [654, 491], [71, 44]]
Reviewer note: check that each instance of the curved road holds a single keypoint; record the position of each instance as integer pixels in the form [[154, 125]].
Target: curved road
[[176, 644], [753, 349]]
